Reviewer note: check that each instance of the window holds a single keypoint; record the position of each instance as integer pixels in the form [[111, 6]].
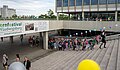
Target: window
[[78, 2], [86, 2], [65, 3], [59, 3], [102, 1], [111, 1], [94, 2], [72, 2], [118, 1]]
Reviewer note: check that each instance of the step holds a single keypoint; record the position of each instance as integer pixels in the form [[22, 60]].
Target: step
[[68, 64], [88, 57], [102, 53], [56, 61], [59, 65], [77, 61], [62, 66], [93, 53], [118, 57], [105, 59], [47, 61], [112, 61]]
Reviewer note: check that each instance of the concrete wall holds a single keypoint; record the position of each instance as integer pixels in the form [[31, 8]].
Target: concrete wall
[[91, 25], [78, 25], [55, 25]]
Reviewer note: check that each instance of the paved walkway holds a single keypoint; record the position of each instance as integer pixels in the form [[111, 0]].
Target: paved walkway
[[23, 49], [108, 58]]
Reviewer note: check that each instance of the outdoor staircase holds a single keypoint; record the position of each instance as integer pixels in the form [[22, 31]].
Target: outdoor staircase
[[108, 58]]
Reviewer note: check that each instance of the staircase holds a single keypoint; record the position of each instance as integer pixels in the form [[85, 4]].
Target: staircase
[[108, 58]]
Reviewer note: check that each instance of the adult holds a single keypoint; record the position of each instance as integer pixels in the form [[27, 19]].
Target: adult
[[21, 38], [17, 57], [27, 63], [5, 61], [103, 36]]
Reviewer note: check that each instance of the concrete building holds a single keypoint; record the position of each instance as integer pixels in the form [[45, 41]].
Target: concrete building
[[101, 9], [6, 12]]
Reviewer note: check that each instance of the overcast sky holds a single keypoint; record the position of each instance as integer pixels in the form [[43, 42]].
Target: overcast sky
[[29, 7]]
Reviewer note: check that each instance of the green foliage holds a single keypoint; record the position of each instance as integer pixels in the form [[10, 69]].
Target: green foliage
[[63, 17], [14, 16]]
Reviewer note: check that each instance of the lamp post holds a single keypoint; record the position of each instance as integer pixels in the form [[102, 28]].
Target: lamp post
[[86, 33], [116, 27], [90, 32], [95, 31], [81, 34]]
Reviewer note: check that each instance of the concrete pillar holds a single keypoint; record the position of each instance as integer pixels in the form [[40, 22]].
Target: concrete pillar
[[68, 16], [83, 15], [57, 16], [116, 15], [45, 40], [40, 34], [11, 39]]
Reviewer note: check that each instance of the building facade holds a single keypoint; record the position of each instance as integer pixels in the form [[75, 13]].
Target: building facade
[[104, 9], [6, 12]]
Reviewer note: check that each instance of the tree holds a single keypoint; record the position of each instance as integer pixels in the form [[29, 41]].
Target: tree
[[14, 16], [41, 16], [50, 13], [63, 17]]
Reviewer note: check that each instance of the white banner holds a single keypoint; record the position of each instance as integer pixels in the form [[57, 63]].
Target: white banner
[[11, 28]]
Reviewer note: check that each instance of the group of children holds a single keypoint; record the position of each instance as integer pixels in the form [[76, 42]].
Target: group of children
[[74, 43]]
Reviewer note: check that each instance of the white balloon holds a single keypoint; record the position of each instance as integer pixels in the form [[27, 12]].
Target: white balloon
[[17, 66]]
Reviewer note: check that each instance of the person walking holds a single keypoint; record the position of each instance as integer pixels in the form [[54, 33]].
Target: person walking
[[5, 61], [27, 63], [37, 41], [103, 40], [30, 40]]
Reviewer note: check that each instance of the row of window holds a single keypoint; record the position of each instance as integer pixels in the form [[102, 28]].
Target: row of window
[[85, 2]]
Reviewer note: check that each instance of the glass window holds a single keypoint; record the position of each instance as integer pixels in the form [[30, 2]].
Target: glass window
[[72, 2], [111, 1], [65, 3], [102, 1], [118, 1], [78, 2], [59, 3], [94, 2], [86, 2]]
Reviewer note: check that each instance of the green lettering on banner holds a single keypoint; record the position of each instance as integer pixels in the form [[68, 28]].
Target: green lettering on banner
[[10, 25]]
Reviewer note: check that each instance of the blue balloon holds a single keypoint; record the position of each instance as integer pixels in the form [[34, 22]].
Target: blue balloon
[[17, 66]]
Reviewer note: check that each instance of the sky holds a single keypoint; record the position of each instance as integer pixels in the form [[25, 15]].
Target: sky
[[29, 7]]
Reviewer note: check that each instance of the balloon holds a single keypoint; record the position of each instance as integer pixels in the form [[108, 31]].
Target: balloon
[[16, 66], [110, 27], [88, 65]]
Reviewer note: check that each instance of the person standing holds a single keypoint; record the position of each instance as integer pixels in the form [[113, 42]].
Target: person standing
[[33, 39], [2, 39], [27, 63], [5, 61], [17, 57], [30, 40], [37, 41], [103, 40], [21, 38]]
